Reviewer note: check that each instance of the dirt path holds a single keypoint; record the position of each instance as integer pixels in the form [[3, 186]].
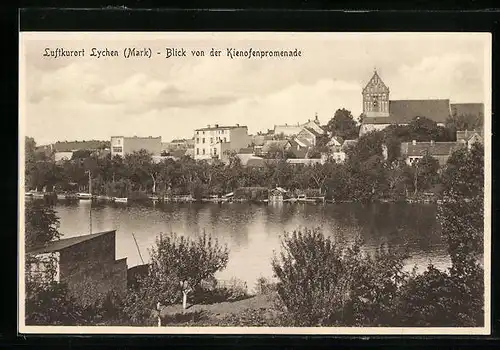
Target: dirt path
[[224, 308]]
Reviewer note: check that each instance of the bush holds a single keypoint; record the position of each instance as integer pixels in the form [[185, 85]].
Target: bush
[[437, 299], [264, 286], [234, 289], [211, 292]]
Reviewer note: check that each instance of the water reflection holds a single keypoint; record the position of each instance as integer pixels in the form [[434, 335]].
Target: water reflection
[[253, 231]]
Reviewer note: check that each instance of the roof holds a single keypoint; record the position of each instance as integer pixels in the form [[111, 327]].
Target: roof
[[335, 140], [301, 153], [55, 246], [476, 109], [467, 134], [349, 143], [138, 137], [68, 146], [178, 141], [315, 125], [434, 148], [287, 129], [274, 143], [312, 131], [404, 111], [245, 158], [218, 127]]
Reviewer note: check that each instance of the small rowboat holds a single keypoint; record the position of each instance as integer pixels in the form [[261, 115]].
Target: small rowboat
[[121, 200]]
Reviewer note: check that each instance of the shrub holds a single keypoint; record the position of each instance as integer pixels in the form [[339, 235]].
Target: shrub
[[234, 289], [264, 286]]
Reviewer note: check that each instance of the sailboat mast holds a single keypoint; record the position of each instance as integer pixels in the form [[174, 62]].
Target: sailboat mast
[[90, 209]]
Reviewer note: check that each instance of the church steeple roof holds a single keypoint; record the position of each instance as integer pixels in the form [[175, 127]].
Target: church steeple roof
[[376, 83]]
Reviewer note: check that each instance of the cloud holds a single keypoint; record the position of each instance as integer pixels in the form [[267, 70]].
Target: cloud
[[456, 76]]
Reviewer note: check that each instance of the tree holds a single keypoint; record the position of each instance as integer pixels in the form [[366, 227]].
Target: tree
[[463, 176], [41, 224], [142, 169], [185, 261], [342, 124], [47, 302], [461, 122], [323, 281], [425, 173]]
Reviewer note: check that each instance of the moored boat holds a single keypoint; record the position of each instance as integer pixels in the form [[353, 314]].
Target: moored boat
[[61, 196], [39, 195], [120, 200], [84, 195]]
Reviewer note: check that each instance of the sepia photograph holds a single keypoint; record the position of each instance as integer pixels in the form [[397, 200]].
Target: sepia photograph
[[254, 182]]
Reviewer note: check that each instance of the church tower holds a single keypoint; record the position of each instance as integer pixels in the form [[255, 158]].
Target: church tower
[[376, 98]]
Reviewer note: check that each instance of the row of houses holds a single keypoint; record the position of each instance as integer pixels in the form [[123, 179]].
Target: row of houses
[[296, 141]]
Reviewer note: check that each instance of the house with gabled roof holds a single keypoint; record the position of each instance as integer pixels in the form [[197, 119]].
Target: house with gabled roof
[[414, 151], [468, 138]]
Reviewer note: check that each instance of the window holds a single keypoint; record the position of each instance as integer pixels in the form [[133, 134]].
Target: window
[[203, 140], [197, 133], [215, 151], [211, 140], [203, 133], [225, 140], [117, 149], [197, 140], [197, 151], [118, 141], [203, 151]]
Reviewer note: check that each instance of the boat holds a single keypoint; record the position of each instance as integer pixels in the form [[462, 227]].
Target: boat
[[61, 196], [38, 195], [84, 195], [28, 194], [304, 199], [120, 200]]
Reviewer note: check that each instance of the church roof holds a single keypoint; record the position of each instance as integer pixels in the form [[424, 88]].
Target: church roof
[[403, 111], [476, 109]]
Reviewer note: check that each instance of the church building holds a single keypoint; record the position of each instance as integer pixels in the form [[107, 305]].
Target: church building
[[380, 112]]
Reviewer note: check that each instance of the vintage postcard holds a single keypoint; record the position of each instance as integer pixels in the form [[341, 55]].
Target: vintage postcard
[[258, 183]]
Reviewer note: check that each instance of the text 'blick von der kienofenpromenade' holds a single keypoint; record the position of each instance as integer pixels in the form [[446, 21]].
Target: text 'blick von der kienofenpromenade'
[[169, 52]]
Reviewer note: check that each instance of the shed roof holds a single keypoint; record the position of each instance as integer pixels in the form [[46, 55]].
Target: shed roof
[[58, 245]]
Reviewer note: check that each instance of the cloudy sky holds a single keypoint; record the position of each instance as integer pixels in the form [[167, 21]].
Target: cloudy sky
[[89, 98]]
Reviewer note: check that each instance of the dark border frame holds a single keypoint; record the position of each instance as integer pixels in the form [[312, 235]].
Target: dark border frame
[[120, 18]]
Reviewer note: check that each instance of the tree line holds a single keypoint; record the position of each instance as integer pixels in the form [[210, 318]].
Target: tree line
[[368, 173]]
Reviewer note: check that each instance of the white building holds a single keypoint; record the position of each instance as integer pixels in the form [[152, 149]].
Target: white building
[[122, 146], [213, 142]]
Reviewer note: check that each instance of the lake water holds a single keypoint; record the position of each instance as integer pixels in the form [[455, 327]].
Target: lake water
[[253, 231]]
